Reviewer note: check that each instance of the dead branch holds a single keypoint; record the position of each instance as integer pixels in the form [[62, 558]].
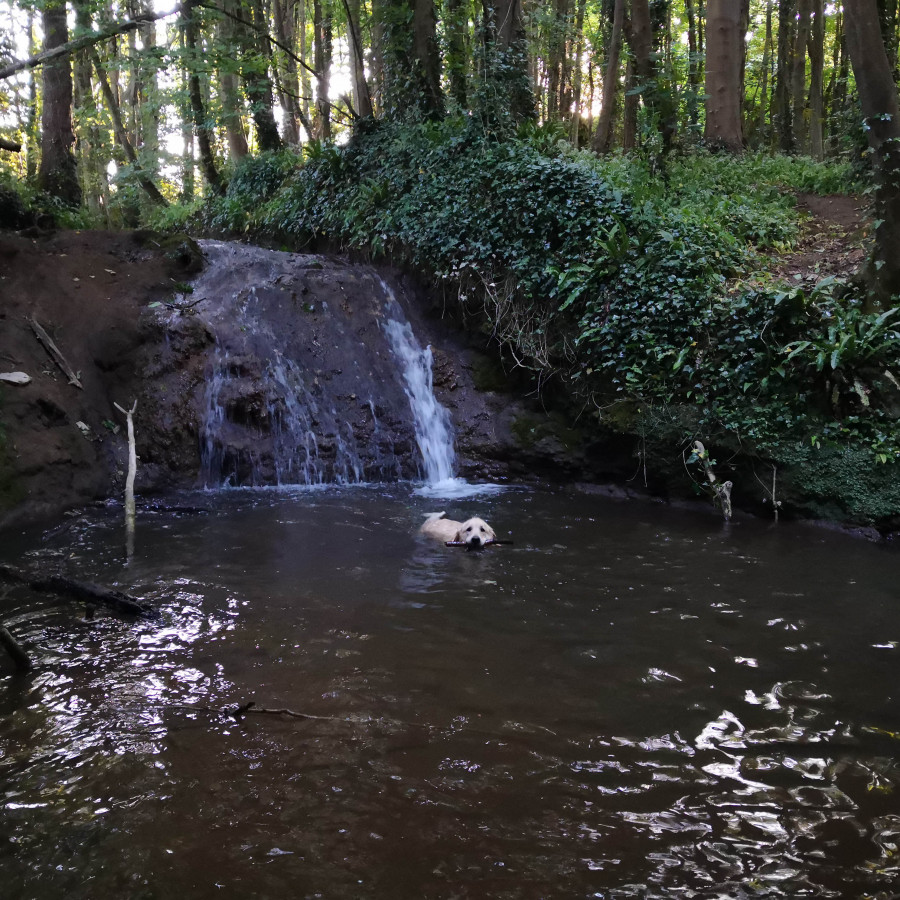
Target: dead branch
[[721, 489], [55, 353], [80, 590], [21, 659], [12, 146], [86, 40]]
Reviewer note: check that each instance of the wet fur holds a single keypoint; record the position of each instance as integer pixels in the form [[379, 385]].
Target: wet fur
[[474, 532]]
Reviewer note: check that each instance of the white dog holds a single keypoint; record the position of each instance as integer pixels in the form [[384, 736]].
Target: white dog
[[474, 533]]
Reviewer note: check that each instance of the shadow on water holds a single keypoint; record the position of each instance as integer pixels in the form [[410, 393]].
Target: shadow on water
[[625, 702]]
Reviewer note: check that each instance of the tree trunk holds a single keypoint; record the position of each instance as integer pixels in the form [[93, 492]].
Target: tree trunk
[[724, 69], [781, 111], [798, 77], [693, 91], [817, 81], [322, 56], [456, 30], [361, 97], [198, 112], [145, 182], [229, 93], [556, 55], [58, 174], [427, 62], [287, 82], [630, 113], [602, 141], [881, 112], [255, 72], [576, 68], [508, 46], [763, 113]]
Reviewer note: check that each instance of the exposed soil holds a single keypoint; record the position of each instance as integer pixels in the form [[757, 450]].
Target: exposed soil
[[61, 445], [88, 291]]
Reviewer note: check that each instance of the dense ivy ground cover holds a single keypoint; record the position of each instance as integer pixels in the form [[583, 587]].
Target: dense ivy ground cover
[[623, 283]]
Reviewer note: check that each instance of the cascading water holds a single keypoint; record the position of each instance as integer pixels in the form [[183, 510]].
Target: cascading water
[[432, 421], [315, 377]]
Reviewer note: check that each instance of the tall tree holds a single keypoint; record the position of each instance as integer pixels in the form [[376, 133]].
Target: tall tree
[[817, 81], [602, 139], [58, 174], [881, 117], [725, 28], [781, 109], [322, 52]]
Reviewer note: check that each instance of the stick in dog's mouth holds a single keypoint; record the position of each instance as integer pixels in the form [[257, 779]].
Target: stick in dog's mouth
[[471, 546]]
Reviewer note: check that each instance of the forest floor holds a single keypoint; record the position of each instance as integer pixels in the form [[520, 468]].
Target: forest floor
[[832, 240], [88, 289]]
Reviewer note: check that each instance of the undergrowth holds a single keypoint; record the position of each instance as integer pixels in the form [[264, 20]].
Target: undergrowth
[[622, 282]]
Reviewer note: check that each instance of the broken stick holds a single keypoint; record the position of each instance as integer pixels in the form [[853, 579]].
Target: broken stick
[[55, 353], [80, 590], [129, 481]]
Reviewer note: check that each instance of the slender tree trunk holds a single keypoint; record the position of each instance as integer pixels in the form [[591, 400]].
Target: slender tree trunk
[[763, 113], [782, 105], [602, 140], [817, 81], [798, 76], [257, 83], [229, 92], [724, 70], [630, 113], [556, 56], [31, 132], [693, 92], [198, 111], [58, 174], [89, 146], [361, 97], [575, 125], [287, 83], [322, 55], [456, 29], [881, 111], [146, 183]]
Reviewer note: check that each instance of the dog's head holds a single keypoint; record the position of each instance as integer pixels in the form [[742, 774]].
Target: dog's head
[[475, 533]]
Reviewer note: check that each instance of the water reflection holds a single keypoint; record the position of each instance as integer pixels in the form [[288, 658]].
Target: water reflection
[[623, 703]]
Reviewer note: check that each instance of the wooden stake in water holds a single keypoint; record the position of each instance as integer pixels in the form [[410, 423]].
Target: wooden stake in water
[[129, 480]]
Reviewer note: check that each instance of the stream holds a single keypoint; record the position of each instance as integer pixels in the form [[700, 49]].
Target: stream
[[627, 701]]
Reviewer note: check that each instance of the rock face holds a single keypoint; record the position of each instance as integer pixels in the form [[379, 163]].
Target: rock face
[[296, 384]]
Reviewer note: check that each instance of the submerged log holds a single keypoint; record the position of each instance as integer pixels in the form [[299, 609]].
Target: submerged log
[[80, 590], [21, 659]]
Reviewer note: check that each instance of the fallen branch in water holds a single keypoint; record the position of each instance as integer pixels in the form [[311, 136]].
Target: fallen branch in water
[[721, 489], [21, 659], [236, 712], [55, 353], [129, 481], [80, 590]]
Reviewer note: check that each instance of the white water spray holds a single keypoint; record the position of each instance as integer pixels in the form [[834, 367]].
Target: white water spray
[[432, 421]]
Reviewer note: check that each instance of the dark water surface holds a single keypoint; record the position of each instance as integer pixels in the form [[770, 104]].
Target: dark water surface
[[627, 702]]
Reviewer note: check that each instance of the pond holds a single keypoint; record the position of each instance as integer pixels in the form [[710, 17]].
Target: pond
[[626, 701]]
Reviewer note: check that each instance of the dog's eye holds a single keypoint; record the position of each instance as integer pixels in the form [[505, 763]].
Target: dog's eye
[[481, 529]]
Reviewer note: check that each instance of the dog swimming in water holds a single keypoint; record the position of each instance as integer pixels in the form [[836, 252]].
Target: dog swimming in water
[[474, 533]]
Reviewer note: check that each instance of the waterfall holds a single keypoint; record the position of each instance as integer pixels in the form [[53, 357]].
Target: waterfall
[[432, 421], [314, 376]]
